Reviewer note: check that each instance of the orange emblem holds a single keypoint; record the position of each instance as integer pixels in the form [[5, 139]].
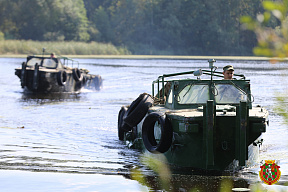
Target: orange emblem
[[270, 172]]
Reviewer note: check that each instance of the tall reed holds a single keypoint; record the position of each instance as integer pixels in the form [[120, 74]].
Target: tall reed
[[60, 48]]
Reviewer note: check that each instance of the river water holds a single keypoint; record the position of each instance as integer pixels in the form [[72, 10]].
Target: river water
[[69, 142]]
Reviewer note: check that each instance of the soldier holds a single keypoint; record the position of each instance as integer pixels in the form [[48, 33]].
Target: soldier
[[228, 72], [52, 55]]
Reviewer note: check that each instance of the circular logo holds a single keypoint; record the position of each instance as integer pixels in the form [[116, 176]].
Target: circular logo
[[270, 172]]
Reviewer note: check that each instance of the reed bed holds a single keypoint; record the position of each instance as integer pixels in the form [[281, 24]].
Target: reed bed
[[11, 47], [22, 48]]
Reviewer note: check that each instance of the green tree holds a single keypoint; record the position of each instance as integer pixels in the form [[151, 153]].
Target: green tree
[[271, 29], [183, 27], [186, 27], [1, 36], [169, 27], [7, 23], [44, 19], [272, 41], [103, 24], [73, 19]]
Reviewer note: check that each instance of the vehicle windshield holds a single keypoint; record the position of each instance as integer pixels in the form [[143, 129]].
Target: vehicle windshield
[[227, 93], [50, 63], [192, 94], [199, 94], [33, 61]]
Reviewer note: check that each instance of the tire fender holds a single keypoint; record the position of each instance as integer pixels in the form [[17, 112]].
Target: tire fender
[[122, 126], [148, 136], [61, 78], [23, 75], [36, 76], [138, 109], [77, 75]]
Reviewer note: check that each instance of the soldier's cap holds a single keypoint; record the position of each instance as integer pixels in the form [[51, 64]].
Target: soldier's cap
[[228, 67]]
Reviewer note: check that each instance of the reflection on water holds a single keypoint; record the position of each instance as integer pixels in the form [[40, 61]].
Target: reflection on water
[[185, 183], [41, 98], [74, 135]]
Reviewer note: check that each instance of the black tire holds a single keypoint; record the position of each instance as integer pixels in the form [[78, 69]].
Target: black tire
[[36, 77], [138, 109], [61, 78], [122, 126], [23, 75], [84, 80], [148, 136], [77, 75]]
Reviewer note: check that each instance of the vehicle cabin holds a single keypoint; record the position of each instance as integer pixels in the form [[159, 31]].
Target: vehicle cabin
[[192, 93]]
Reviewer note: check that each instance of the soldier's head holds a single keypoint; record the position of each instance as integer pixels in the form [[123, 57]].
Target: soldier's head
[[228, 72]]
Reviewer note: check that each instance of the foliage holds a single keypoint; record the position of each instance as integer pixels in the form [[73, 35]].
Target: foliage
[[281, 104], [60, 48], [44, 20], [164, 178], [1, 36], [175, 27], [271, 29], [159, 166]]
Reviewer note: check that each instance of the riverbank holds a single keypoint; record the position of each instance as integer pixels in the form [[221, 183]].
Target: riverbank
[[246, 58], [15, 47]]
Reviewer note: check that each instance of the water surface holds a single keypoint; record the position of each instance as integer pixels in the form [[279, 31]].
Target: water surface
[[69, 142]]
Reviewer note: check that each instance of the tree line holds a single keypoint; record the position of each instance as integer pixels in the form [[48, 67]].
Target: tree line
[[162, 27]]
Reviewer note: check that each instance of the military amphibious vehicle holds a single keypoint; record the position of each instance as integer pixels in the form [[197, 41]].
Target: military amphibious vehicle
[[47, 74], [206, 124]]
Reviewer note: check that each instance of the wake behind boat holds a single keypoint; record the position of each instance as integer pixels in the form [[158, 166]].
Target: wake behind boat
[[42, 73]]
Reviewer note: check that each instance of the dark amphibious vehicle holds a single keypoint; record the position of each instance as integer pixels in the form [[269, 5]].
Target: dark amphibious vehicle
[[201, 124], [42, 73]]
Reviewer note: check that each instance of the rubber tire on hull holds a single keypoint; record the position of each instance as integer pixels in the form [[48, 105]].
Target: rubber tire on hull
[[77, 75], [138, 109], [148, 133], [23, 75], [61, 78], [84, 80], [36, 77], [122, 126]]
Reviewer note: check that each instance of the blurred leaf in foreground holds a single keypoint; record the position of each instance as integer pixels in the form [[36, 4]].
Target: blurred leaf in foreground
[[271, 29]]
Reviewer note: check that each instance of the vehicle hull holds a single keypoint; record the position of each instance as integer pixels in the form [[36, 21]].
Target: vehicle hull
[[37, 78], [194, 147]]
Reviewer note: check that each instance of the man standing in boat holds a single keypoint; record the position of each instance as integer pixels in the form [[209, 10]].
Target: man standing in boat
[[228, 93], [228, 72], [52, 55]]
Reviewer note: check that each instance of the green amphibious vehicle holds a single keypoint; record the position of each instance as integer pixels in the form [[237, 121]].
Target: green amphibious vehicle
[[48, 74], [200, 124]]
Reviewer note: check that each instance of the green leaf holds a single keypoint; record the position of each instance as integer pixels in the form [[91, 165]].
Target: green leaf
[[246, 19], [262, 52], [269, 5], [267, 16]]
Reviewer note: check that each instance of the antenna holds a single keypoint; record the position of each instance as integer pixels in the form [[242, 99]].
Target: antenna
[[43, 51], [211, 63], [211, 66]]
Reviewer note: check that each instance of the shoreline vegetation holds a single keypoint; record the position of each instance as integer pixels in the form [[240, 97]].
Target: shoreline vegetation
[[29, 47], [169, 57], [72, 49]]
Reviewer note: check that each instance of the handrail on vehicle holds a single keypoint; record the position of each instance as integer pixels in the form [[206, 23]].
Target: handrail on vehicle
[[161, 79]]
